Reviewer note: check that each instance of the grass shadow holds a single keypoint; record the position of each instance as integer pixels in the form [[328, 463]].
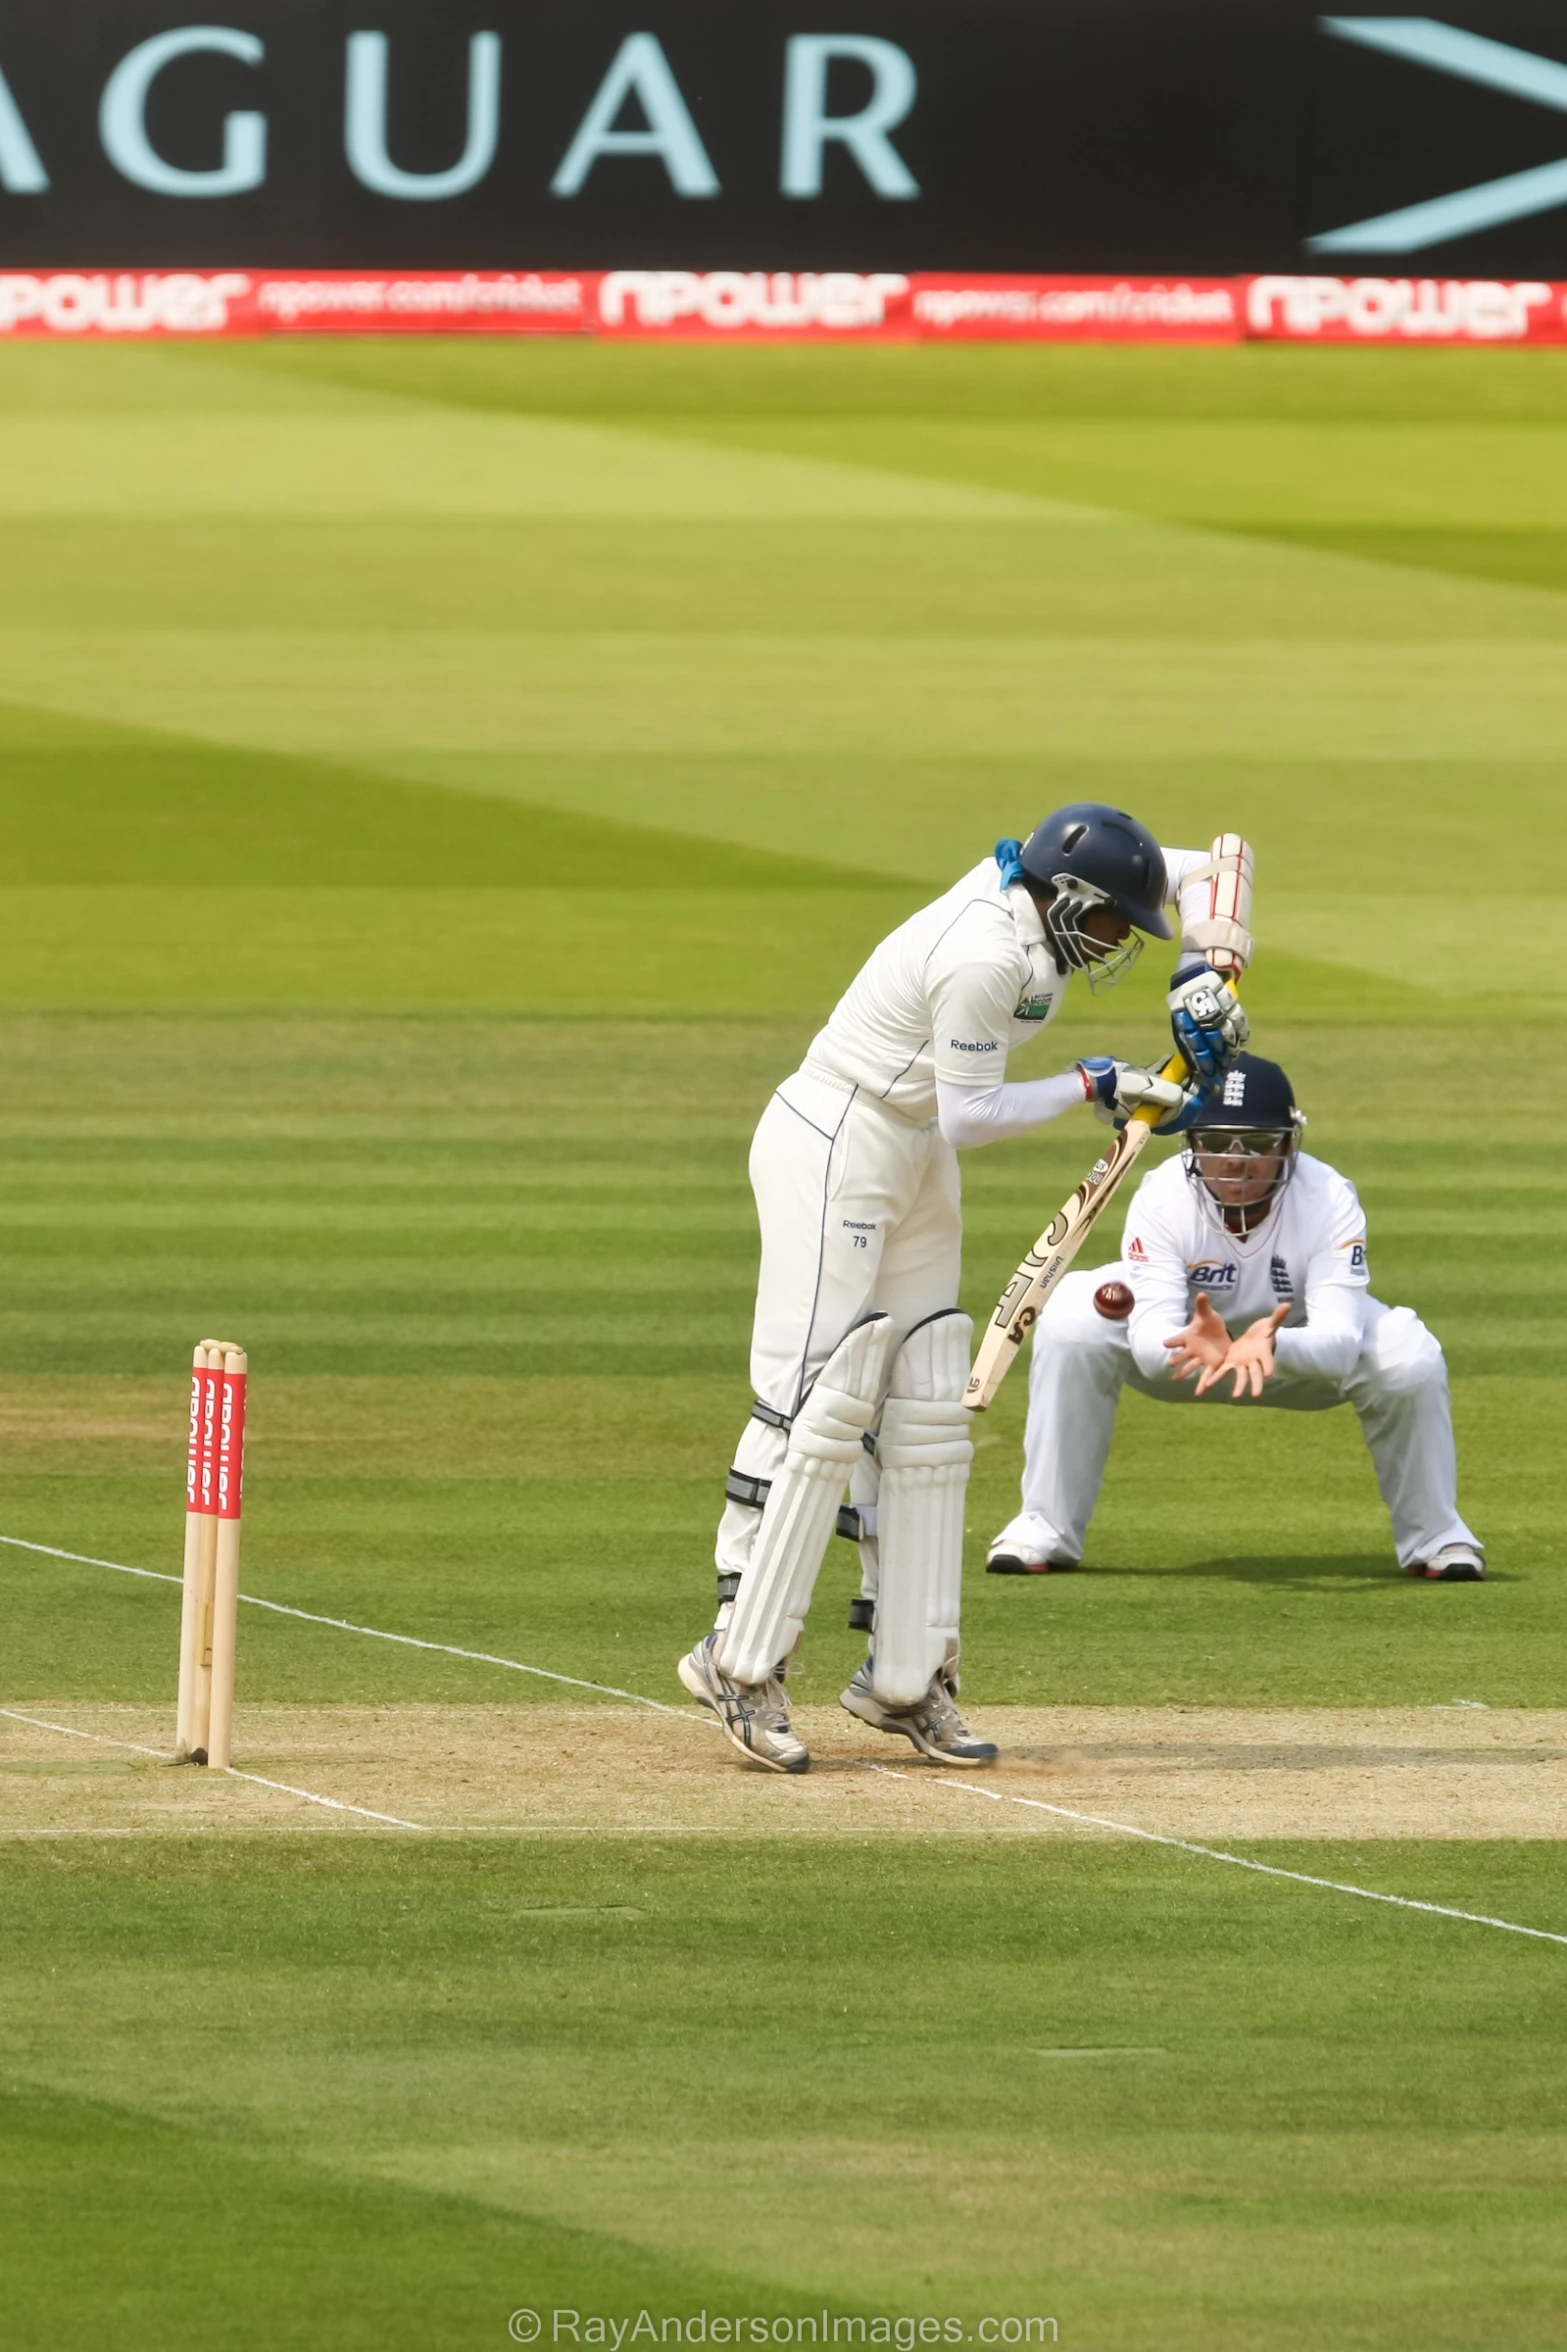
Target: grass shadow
[[1290, 1572]]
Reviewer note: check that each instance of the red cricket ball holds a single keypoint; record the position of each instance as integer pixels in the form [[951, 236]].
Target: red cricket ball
[[1114, 1301]]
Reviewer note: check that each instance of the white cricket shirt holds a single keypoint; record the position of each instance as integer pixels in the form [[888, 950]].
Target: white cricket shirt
[[948, 993], [1309, 1252]]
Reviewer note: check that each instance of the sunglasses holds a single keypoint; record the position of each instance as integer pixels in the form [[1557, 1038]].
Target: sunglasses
[[1250, 1143]]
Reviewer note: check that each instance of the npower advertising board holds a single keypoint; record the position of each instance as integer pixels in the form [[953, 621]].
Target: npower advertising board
[[1209, 138]]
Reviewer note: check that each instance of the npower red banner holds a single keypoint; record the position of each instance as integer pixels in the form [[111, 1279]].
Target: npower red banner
[[779, 305], [1405, 310]]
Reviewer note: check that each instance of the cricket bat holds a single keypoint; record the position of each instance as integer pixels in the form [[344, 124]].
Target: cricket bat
[[1019, 1307]]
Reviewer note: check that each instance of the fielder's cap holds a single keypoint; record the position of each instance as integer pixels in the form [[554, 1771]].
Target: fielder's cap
[[1253, 1093]]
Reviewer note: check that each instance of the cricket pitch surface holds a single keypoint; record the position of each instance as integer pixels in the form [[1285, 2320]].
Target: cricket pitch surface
[[1184, 1772]]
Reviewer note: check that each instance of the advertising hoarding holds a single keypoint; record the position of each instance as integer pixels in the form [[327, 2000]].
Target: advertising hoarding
[[1092, 138]]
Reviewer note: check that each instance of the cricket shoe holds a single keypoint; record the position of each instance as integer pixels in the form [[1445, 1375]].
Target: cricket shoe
[[1026, 1547], [754, 1716], [933, 1723], [1010, 1559], [1454, 1564]]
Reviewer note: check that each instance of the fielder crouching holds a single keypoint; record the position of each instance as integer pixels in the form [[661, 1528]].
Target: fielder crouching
[[1243, 1280], [859, 1354]]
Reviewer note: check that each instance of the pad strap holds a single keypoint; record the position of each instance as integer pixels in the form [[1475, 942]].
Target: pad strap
[[770, 1416], [855, 1520]]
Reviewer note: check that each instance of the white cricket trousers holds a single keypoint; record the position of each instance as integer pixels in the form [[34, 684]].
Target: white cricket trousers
[[861, 1213], [1082, 1362]]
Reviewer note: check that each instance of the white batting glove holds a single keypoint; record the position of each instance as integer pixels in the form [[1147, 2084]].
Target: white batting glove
[[1117, 1089]]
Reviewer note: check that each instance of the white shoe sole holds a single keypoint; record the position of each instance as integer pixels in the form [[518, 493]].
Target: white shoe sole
[[1020, 1564], [742, 1747], [853, 1704]]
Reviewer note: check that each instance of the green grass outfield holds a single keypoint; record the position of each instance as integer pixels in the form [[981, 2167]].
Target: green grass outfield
[[443, 786]]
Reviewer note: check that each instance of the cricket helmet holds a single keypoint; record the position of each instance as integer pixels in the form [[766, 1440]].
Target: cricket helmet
[[1094, 857], [1250, 1114]]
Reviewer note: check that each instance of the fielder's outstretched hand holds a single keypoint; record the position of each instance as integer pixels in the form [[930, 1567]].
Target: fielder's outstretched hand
[[1203, 1345], [1250, 1358]]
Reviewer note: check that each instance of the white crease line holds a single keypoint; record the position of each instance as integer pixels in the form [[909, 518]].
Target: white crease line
[[69, 1731], [1154, 1837], [409, 1641], [337, 1804], [231, 1772]]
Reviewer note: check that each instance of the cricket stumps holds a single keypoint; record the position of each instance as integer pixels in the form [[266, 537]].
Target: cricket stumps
[[209, 1612]]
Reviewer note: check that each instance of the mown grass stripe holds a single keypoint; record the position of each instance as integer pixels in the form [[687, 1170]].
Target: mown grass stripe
[[410, 1641], [1154, 1837]]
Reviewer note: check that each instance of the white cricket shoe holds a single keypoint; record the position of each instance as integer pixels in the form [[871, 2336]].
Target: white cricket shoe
[[1026, 1547], [933, 1723], [754, 1716], [1457, 1563]]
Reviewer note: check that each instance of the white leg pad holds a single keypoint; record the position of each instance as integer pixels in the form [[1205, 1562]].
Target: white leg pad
[[925, 1450], [825, 1442]]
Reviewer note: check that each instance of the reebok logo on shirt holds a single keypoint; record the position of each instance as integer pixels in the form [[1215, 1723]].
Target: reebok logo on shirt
[[982, 1045]]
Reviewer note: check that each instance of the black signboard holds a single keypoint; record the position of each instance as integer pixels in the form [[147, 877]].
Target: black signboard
[[1145, 136]]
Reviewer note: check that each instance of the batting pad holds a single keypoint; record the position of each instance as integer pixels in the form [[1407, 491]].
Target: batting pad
[[925, 1451], [825, 1442]]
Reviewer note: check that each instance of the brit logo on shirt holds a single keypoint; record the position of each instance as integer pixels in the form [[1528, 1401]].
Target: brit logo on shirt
[[1212, 1274], [1279, 1276]]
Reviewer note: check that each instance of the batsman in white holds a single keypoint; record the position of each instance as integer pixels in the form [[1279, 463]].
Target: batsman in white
[[1243, 1280], [859, 1354]]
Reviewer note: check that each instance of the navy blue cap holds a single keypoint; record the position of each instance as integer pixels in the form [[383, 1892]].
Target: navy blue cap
[[1252, 1093]]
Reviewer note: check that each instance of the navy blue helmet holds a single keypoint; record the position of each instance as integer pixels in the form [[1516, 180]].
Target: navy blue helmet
[[1095, 857], [1252, 1093], [1248, 1122]]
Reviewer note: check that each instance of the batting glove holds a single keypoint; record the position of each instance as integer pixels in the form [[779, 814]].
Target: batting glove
[[1117, 1089], [1208, 1022]]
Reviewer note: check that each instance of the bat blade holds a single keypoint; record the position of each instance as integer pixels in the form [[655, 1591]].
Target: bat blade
[[1020, 1303]]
